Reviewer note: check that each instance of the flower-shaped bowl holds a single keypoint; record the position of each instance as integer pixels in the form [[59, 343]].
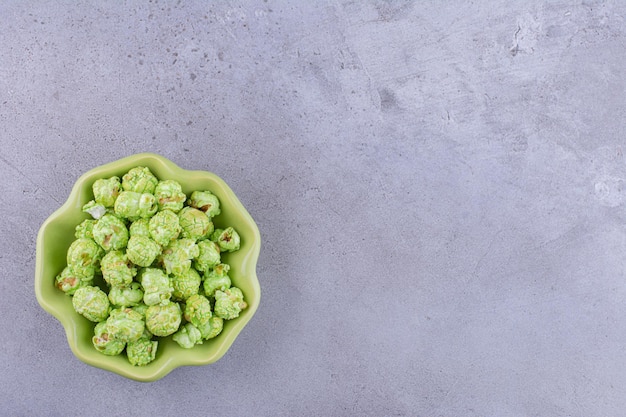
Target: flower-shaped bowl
[[57, 233]]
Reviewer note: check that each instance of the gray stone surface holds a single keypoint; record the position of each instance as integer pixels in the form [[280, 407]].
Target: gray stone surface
[[439, 187]]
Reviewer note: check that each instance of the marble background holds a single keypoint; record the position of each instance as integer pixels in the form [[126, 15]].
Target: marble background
[[440, 189]]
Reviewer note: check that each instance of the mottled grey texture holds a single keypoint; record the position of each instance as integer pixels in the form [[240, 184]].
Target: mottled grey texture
[[439, 187]]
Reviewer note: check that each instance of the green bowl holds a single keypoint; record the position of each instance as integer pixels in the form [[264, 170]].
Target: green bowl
[[57, 233]]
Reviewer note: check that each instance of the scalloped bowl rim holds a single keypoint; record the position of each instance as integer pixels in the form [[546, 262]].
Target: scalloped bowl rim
[[72, 323]]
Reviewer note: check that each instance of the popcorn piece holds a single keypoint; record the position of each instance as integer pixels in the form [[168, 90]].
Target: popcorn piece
[[68, 281], [92, 303], [188, 336], [85, 229], [228, 239], [212, 327], [164, 227], [142, 351], [229, 303], [142, 250], [139, 180], [117, 270], [176, 258], [134, 206], [156, 286], [83, 256], [105, 343], [205, 201], [197, 310], [208, 256], [94, 209], [105, 191], [169, 195], [185, 285], [216, 279], [163, 320], [129, 296], [125, 324], [195, 224]]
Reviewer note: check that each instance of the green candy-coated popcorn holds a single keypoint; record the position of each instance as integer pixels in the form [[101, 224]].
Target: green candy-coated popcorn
[[229, 303], [142, 351], [129, 296], [216, 279], [116, 269], [105, 191], [139, 180], [163, 320], [105, 343], [92, 303], [85, 229], [83, 256], [169, 195], [84, 252], [85, 273], [176, 258], [125, 324], [142, 250], [197, 310], [211, 328], [227, 239], [133, 206], [205, 201], [208, 255], [186, 284], [164, 227], [140, 227], [156, 286], [68, 282], [195, 224], [94, 209], [187, 246], [188, 336], [110, 233]]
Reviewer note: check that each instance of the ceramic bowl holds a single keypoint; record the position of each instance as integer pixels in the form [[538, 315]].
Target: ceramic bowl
[[57, 233]]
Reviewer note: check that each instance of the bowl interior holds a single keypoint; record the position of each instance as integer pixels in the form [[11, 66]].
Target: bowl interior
[[57, 233]]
